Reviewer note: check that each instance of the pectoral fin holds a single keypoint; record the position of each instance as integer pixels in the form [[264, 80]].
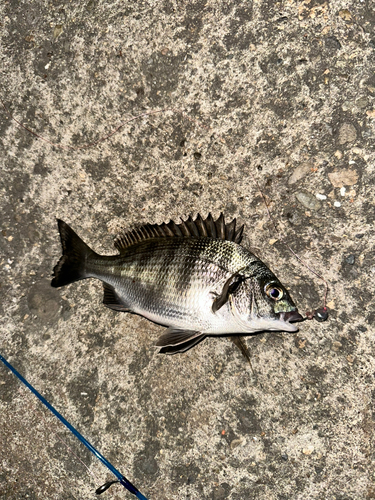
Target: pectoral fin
[[174, 340], [230, 286], [241, 344]]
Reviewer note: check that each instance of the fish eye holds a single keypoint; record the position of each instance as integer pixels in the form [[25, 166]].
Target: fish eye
[[274, 292]]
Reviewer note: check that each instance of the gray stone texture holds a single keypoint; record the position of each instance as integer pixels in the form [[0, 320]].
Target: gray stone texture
[[282, 92]]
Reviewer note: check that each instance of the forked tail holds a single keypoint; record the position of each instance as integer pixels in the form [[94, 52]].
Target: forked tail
[[72, 265]]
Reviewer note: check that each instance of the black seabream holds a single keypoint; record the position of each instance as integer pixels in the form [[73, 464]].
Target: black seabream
[[193, 277]]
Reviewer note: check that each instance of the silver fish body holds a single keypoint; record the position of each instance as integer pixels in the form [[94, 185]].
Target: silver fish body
[[193, 277]]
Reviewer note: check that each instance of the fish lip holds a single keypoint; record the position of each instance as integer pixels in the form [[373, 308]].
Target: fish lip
[[290, 317]]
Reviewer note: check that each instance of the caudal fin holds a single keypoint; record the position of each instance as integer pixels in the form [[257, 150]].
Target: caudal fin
[[72, 265]]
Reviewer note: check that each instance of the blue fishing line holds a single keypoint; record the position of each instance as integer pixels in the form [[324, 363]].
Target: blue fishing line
[[122, 479]]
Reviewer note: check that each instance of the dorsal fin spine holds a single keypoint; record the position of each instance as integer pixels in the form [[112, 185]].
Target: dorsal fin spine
[[211, 228], [206, 228], [202, 227], [220, 226]]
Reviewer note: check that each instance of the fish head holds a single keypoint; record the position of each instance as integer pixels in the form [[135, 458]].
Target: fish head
[[261, 302]]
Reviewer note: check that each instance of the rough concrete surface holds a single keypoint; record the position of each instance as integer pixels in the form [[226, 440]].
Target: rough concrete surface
[[278, 91]]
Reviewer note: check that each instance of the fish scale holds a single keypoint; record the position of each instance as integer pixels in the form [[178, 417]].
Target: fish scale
[[150, 281], [193, 277]]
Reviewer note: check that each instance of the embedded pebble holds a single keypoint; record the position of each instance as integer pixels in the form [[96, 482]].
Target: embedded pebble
[[362, 102], [357, 151], [345, 14], [350, 259], [343, 191], [337, 204], [300, 172], [235, 443], [308, 450], [336, 346], [345, 177], [338, 154], [347, 133], [308, 200], [58, 29], [321, 196]]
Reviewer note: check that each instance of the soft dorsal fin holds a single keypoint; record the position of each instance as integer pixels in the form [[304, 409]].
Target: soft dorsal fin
[[206, 228]]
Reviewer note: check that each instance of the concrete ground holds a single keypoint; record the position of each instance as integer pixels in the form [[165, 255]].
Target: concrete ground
[[282, 92]]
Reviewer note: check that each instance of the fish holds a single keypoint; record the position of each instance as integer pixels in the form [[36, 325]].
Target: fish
[[193, 277]]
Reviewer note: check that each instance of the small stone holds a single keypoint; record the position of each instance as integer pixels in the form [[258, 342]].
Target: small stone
[[308, 200], [272, 241], [336, 345], [321, 196], [350, 259], [235, 443], [337, 204], [308, 450], [370, 113], [362, 102], [343, 191], [338, 154], [357, 151], [302, 343], [347, 133], [300, 172], [345, 177], [57, 31], [345, 15], [284, 457], [347, 105]]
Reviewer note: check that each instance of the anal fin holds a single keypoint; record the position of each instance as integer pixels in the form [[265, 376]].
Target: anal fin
[[174, 340], [112, 300], [182, 347]]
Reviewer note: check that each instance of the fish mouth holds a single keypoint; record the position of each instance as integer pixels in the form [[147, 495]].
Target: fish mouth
[[285, 320], [290, 317]]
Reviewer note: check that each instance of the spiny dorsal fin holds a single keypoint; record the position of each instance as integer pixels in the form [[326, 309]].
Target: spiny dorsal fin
[[206, 228]]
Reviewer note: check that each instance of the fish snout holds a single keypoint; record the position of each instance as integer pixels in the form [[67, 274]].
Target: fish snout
[[291, 316]]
